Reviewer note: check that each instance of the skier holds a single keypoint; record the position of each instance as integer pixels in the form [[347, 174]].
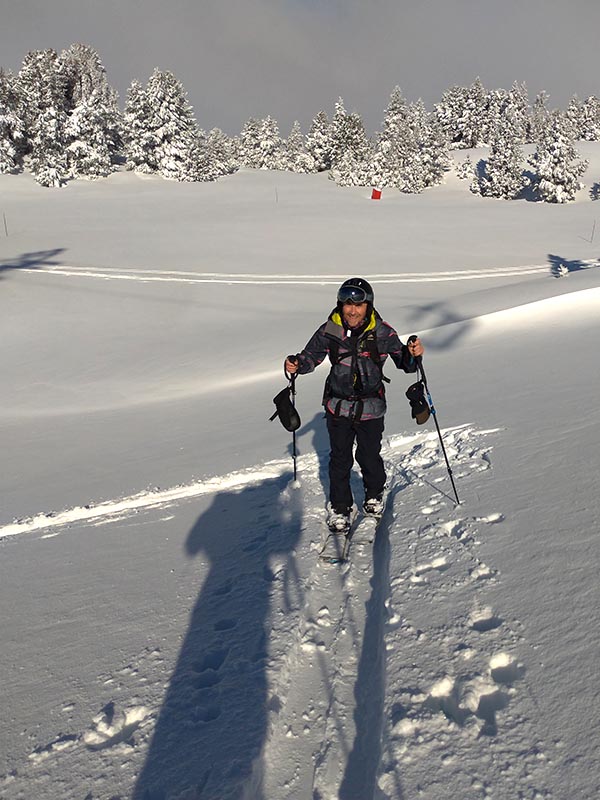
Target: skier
[[357, 342]]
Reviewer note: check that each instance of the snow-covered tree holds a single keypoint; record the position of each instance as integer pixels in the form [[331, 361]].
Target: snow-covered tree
[[94, 127], [411, 152], [590, 119], [172, 125], [48, 160], [428, 156], [260, 145], [574, 116], [319, 143], [41, 88], [540, 117], [393, 144], [518, 111], [556, 162], [295, 157], [11, 127], [462, 115], [89, 148], [353, 166], [83, 74], [249, 150], [40, 85], [140, 142], [220, 154], [160, 132], [466, 170], [270, 146], [502, 175], [346, 133]]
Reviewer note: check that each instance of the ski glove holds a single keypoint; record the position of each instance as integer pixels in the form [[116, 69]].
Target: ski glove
[[288, 416], [418, 403]]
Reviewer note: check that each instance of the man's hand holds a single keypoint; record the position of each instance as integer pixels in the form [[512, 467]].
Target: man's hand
[[291, 365], [415, 348]]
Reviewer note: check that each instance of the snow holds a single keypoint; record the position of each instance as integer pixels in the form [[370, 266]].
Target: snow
[[167, 628]]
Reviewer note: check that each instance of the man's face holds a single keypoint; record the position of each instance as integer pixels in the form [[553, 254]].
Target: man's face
[[354, 314]]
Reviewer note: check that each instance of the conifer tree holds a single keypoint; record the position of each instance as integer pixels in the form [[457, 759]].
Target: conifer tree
[[270, 145], [83, 74], [590, 119], [319, 142], [393, 145], [353, 166], [427, 159], [11, 127], [41, 88], [172, 126], [296, 159], [503, 176], [140, 142], [518, 109], [249, 144], [574, 117], [220, 153], [463, 116], [540, 117], [556, 163], [48, 160], [40, 85], [343, 130], [89, 149]]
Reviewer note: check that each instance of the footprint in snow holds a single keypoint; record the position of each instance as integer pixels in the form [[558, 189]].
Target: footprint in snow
[[112, 726], [484, 620]]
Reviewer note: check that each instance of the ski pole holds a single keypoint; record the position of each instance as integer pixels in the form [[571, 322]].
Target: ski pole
[[292, 379], [423, 377]]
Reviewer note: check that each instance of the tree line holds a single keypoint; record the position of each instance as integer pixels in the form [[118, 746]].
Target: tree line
[[60, 119]]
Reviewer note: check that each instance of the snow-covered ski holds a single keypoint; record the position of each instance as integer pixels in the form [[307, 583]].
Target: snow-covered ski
[[362, 530]]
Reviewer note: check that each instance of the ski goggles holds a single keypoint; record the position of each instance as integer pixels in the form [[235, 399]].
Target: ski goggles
[[352, 294]]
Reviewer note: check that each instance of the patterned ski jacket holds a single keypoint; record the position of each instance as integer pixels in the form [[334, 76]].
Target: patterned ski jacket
[[354, 387]]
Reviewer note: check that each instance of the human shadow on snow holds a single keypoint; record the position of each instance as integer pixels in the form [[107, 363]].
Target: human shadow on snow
[[364, 761], [213, 721], [319, 445], [34, 260]]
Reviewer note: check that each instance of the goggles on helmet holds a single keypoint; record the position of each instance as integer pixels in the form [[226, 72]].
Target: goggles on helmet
[[352, 294]]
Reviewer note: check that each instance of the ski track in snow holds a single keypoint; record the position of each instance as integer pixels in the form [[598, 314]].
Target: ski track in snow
[[387, 677], [190, 277]]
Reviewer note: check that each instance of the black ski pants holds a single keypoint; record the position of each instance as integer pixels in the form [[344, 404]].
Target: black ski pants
[[343, 432]]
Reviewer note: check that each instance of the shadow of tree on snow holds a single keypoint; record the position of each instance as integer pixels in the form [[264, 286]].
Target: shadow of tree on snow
[[445, 327], [559, 266], [34, 260]]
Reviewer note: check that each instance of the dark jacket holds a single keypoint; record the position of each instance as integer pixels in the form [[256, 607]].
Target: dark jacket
[[354, 387]]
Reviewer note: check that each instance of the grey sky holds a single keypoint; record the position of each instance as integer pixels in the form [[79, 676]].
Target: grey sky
[[292, 58]]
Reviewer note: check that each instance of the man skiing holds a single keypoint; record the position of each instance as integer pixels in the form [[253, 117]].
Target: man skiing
[[357, 342]]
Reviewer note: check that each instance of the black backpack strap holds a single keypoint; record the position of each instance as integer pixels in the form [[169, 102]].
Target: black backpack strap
[[370, 341]]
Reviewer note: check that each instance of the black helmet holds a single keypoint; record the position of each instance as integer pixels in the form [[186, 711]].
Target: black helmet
[[355, 290]]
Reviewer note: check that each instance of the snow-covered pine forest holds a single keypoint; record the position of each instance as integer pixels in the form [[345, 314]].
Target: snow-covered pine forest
[[60, 119]]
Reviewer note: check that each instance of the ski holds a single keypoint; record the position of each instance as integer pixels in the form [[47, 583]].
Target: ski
[[362, 530]]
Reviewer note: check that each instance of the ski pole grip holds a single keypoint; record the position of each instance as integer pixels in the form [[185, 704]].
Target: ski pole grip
[[410, 340], [290, 376]]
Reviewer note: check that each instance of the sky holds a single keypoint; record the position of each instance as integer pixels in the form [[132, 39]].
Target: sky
[[293, 58]]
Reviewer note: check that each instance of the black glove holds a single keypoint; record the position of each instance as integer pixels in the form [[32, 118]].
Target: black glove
[[288, 416], [418, 403]]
